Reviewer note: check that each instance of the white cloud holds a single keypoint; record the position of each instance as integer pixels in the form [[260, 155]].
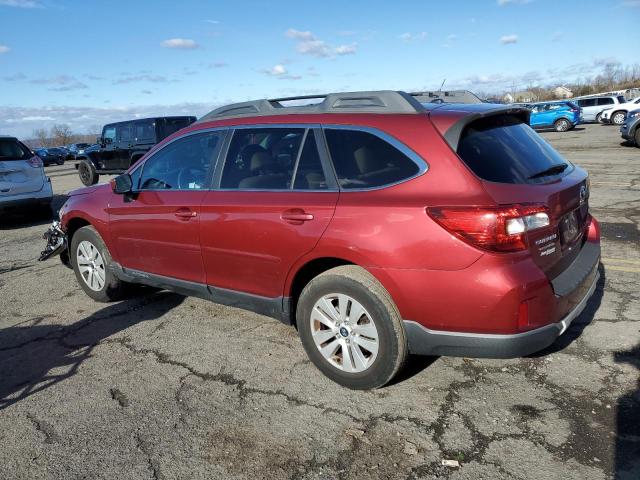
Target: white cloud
[[346, 49], [4, 49], [180, 43], [20, 3], [451, 40], [631, 3], [276, 70], [213, 22], [509, 39], [557, 36], [308, 44], [61, 83], [145, 77], [409, 37], [502, 3]]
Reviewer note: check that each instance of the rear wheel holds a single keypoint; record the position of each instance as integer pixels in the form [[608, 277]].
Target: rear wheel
[[90, 260], [599, 118], [561, 125], [87, 173], [617, 118], [351, 329], [636, 137]]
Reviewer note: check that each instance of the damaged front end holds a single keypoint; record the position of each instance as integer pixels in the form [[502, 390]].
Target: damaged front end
[[56, 242]]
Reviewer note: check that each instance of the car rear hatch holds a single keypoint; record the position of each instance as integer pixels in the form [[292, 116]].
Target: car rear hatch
[[20, 171], [517, 167]]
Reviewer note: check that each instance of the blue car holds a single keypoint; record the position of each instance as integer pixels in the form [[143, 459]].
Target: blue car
[[561, 116]]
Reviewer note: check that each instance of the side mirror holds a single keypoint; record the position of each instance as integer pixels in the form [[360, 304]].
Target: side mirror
[[107, 140], [121, 184]]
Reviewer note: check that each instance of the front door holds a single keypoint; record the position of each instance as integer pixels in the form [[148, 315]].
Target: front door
[[275, 200], [157, 229]]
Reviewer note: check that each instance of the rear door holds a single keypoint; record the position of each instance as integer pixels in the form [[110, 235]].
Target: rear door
[[589, 109], [123, 145], [157, 229], [275, 198], [512, 160], [17, 174]]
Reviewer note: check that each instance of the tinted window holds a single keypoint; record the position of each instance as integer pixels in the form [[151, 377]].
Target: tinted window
[[364, 160], [144, 131], [181, 165], [124, 132], [262, 158], [621, 99], [169, 126], [11, 149], [309, 173], [587, 102], [605, 101], [503, 149]]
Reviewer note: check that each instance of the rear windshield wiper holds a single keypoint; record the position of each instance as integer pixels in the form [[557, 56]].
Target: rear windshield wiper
[[559, 168]]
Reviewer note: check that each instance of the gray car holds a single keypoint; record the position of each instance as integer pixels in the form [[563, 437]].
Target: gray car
[[593, 105], [630, 129], [22, 178]]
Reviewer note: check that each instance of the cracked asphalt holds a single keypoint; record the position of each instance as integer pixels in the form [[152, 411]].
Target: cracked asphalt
[[166, 387]]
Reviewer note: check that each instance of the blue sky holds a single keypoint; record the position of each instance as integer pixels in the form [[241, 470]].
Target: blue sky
[[88, 62]]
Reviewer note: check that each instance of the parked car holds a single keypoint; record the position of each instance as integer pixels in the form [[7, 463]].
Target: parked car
[[592, 107], [77, 149], [123, 144], [561, 116], [22, 178], [617, 114], [375, 224], [630, 129], [51, 156], [66, 152]]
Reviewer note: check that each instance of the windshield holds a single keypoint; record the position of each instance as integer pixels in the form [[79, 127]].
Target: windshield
[[504, 149], [12, 149]]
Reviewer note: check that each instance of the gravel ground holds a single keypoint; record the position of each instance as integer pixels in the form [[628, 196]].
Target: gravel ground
[[167, 387]]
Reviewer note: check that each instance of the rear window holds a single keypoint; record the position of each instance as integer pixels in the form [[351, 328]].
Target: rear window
[[11, 149], [621, 99], [169, 126], [605, 101], [503, 149]]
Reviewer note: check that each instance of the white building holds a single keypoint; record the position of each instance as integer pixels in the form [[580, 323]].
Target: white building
[[562, 92]]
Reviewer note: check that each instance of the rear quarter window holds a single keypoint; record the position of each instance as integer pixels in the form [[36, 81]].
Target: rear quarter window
[[503, 149], [11, 149], [364, 160]]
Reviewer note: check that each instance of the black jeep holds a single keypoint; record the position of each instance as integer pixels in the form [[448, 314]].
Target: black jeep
[[123, 143]]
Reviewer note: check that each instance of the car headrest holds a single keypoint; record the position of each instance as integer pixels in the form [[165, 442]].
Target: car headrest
[[367, 160]]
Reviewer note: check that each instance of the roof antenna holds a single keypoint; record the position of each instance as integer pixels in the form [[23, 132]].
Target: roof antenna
[[442, 85]]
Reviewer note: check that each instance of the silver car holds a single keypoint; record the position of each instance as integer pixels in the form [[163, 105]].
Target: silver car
[[593, 105], [22, 178]]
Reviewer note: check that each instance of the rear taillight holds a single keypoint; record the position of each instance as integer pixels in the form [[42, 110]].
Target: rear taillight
[[497, 229], [35, 161]]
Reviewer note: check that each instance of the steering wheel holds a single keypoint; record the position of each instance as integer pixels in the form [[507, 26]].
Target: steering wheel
[[190, 175]]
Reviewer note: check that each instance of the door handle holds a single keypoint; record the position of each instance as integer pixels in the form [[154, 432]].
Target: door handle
[[296, 216], [185, 214]]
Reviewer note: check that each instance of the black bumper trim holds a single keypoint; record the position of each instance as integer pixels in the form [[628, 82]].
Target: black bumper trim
[[423, 341], [578, 271]]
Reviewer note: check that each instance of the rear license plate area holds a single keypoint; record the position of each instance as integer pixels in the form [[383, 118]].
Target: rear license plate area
[[569, 227]]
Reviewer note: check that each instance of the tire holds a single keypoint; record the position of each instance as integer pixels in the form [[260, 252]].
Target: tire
[[87, 173], [99, 284], [61, 162], [357, 288], [561, 125], [599, 118], [636, 137], [617, 118]]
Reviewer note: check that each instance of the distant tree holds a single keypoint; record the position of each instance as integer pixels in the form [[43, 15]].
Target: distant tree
[[42, 136], [61, 134]]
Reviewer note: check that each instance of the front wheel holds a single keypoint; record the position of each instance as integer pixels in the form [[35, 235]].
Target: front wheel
[[561, 125], [617, 118], [636, 137], [90, 260], [87, 173], [351, 329]]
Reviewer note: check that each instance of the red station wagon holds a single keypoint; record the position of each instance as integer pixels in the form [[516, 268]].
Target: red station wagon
[[377, 225]]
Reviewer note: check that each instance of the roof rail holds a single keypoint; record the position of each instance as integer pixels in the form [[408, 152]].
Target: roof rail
[[446, 96], [383, 101]]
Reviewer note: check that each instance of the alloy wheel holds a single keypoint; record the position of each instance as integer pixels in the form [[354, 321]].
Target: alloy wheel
[[91, 265], [618, 118], [344, 333]]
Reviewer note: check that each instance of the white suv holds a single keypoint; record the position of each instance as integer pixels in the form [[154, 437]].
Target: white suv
[[593, 106], [618, 113], [22, 178]]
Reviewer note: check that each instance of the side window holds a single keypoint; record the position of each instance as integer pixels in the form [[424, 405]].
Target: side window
[[364, 160], [309, 173], [181, 165], [144, 131], [605, 101], [135, 179], [588, 102], [262, 158], [124, 133], [109, 132]]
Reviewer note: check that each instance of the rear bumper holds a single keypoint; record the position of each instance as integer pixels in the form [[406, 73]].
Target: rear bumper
[[423, 341]]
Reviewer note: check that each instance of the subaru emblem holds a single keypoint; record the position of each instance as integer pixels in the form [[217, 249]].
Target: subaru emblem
[[583, 194]]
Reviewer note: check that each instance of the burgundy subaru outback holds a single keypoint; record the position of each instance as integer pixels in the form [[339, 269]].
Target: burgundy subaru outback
[[377, 225]]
